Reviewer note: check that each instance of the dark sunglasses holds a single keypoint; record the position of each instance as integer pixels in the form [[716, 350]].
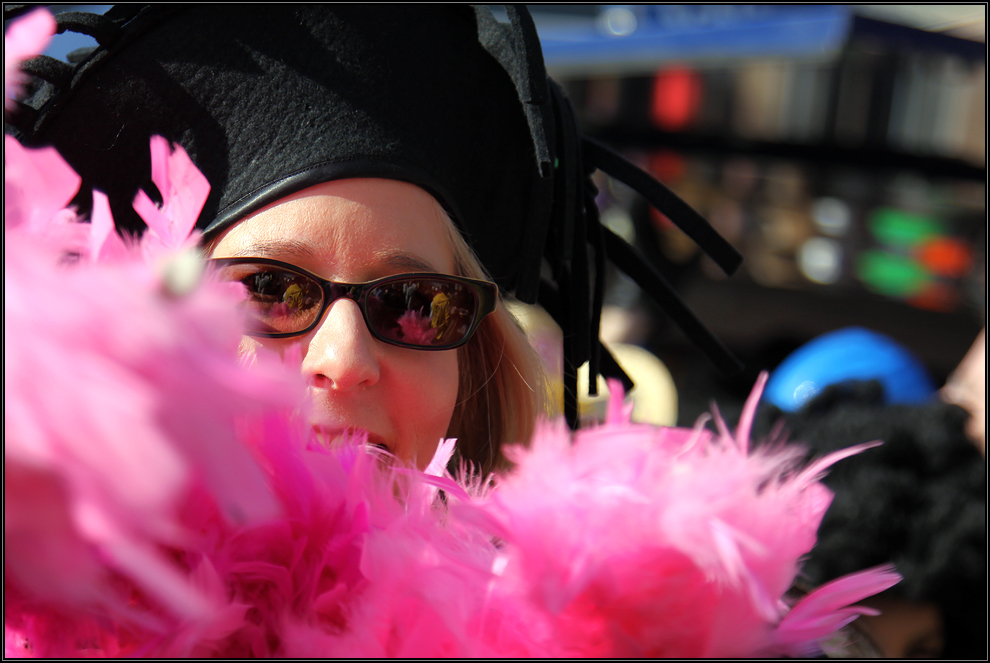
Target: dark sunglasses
[[420, 311]]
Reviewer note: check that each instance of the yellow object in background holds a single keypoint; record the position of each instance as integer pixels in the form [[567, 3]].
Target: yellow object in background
[[654, 397]]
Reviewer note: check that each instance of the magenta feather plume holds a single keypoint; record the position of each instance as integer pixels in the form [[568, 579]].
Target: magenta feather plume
[[831, 606], [416, 328], [163, 498], [25, 38]]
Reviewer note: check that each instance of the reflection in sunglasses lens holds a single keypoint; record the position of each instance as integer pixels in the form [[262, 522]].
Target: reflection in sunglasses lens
[[282, 301], [423, 312]]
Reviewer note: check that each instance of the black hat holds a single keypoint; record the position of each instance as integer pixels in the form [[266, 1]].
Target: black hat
[[270, 99]]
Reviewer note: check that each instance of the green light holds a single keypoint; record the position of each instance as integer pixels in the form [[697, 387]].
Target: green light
[[891, 275], [896, 227]]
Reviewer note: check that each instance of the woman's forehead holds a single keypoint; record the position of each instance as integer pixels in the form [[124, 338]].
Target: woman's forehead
[[348, 223]]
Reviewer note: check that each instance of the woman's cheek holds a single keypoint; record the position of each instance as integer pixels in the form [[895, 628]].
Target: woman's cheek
[[437, 393], [430, 401]]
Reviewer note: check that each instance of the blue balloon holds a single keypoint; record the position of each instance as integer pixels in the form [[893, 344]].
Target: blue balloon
[[852, 353]]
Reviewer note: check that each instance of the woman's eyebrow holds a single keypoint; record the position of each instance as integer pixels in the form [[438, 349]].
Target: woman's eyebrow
[[405, 260], [290, 248], [283, 248]]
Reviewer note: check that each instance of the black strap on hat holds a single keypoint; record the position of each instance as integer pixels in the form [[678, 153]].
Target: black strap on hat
[[271, 99], [576, 244]]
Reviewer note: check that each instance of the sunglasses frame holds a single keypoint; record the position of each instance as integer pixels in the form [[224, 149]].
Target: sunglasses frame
[[485, 292]]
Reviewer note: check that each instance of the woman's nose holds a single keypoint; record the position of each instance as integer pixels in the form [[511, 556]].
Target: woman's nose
[[342, 353]]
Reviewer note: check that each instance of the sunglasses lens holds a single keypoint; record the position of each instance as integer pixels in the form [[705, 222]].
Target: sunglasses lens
[[279, 300], [434, 312], [426, 312]]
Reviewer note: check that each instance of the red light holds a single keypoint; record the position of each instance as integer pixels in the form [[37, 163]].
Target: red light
[[676, 98], [936, 297], [946, 257]]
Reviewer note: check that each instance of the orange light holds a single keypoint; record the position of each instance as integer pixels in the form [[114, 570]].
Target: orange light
[[946, 256]]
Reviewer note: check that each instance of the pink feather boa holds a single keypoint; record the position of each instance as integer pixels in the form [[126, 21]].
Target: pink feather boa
[[161, 500]]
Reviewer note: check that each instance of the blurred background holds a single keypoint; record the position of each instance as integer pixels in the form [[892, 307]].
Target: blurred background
[[841, 149]]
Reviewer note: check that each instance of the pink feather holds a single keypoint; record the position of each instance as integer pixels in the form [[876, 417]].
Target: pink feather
[[824, 610], [105, 245], [163, 498], [184, 191], [416, 328], [26, 37], [749, 411], [37, 185]]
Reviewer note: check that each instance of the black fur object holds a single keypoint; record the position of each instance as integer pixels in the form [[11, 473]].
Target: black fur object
[[919, 500]]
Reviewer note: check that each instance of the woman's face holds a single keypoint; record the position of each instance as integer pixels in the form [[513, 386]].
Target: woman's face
[[353, 231]]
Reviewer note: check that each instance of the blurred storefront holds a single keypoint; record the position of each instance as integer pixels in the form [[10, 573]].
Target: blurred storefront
[[841, 149]]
